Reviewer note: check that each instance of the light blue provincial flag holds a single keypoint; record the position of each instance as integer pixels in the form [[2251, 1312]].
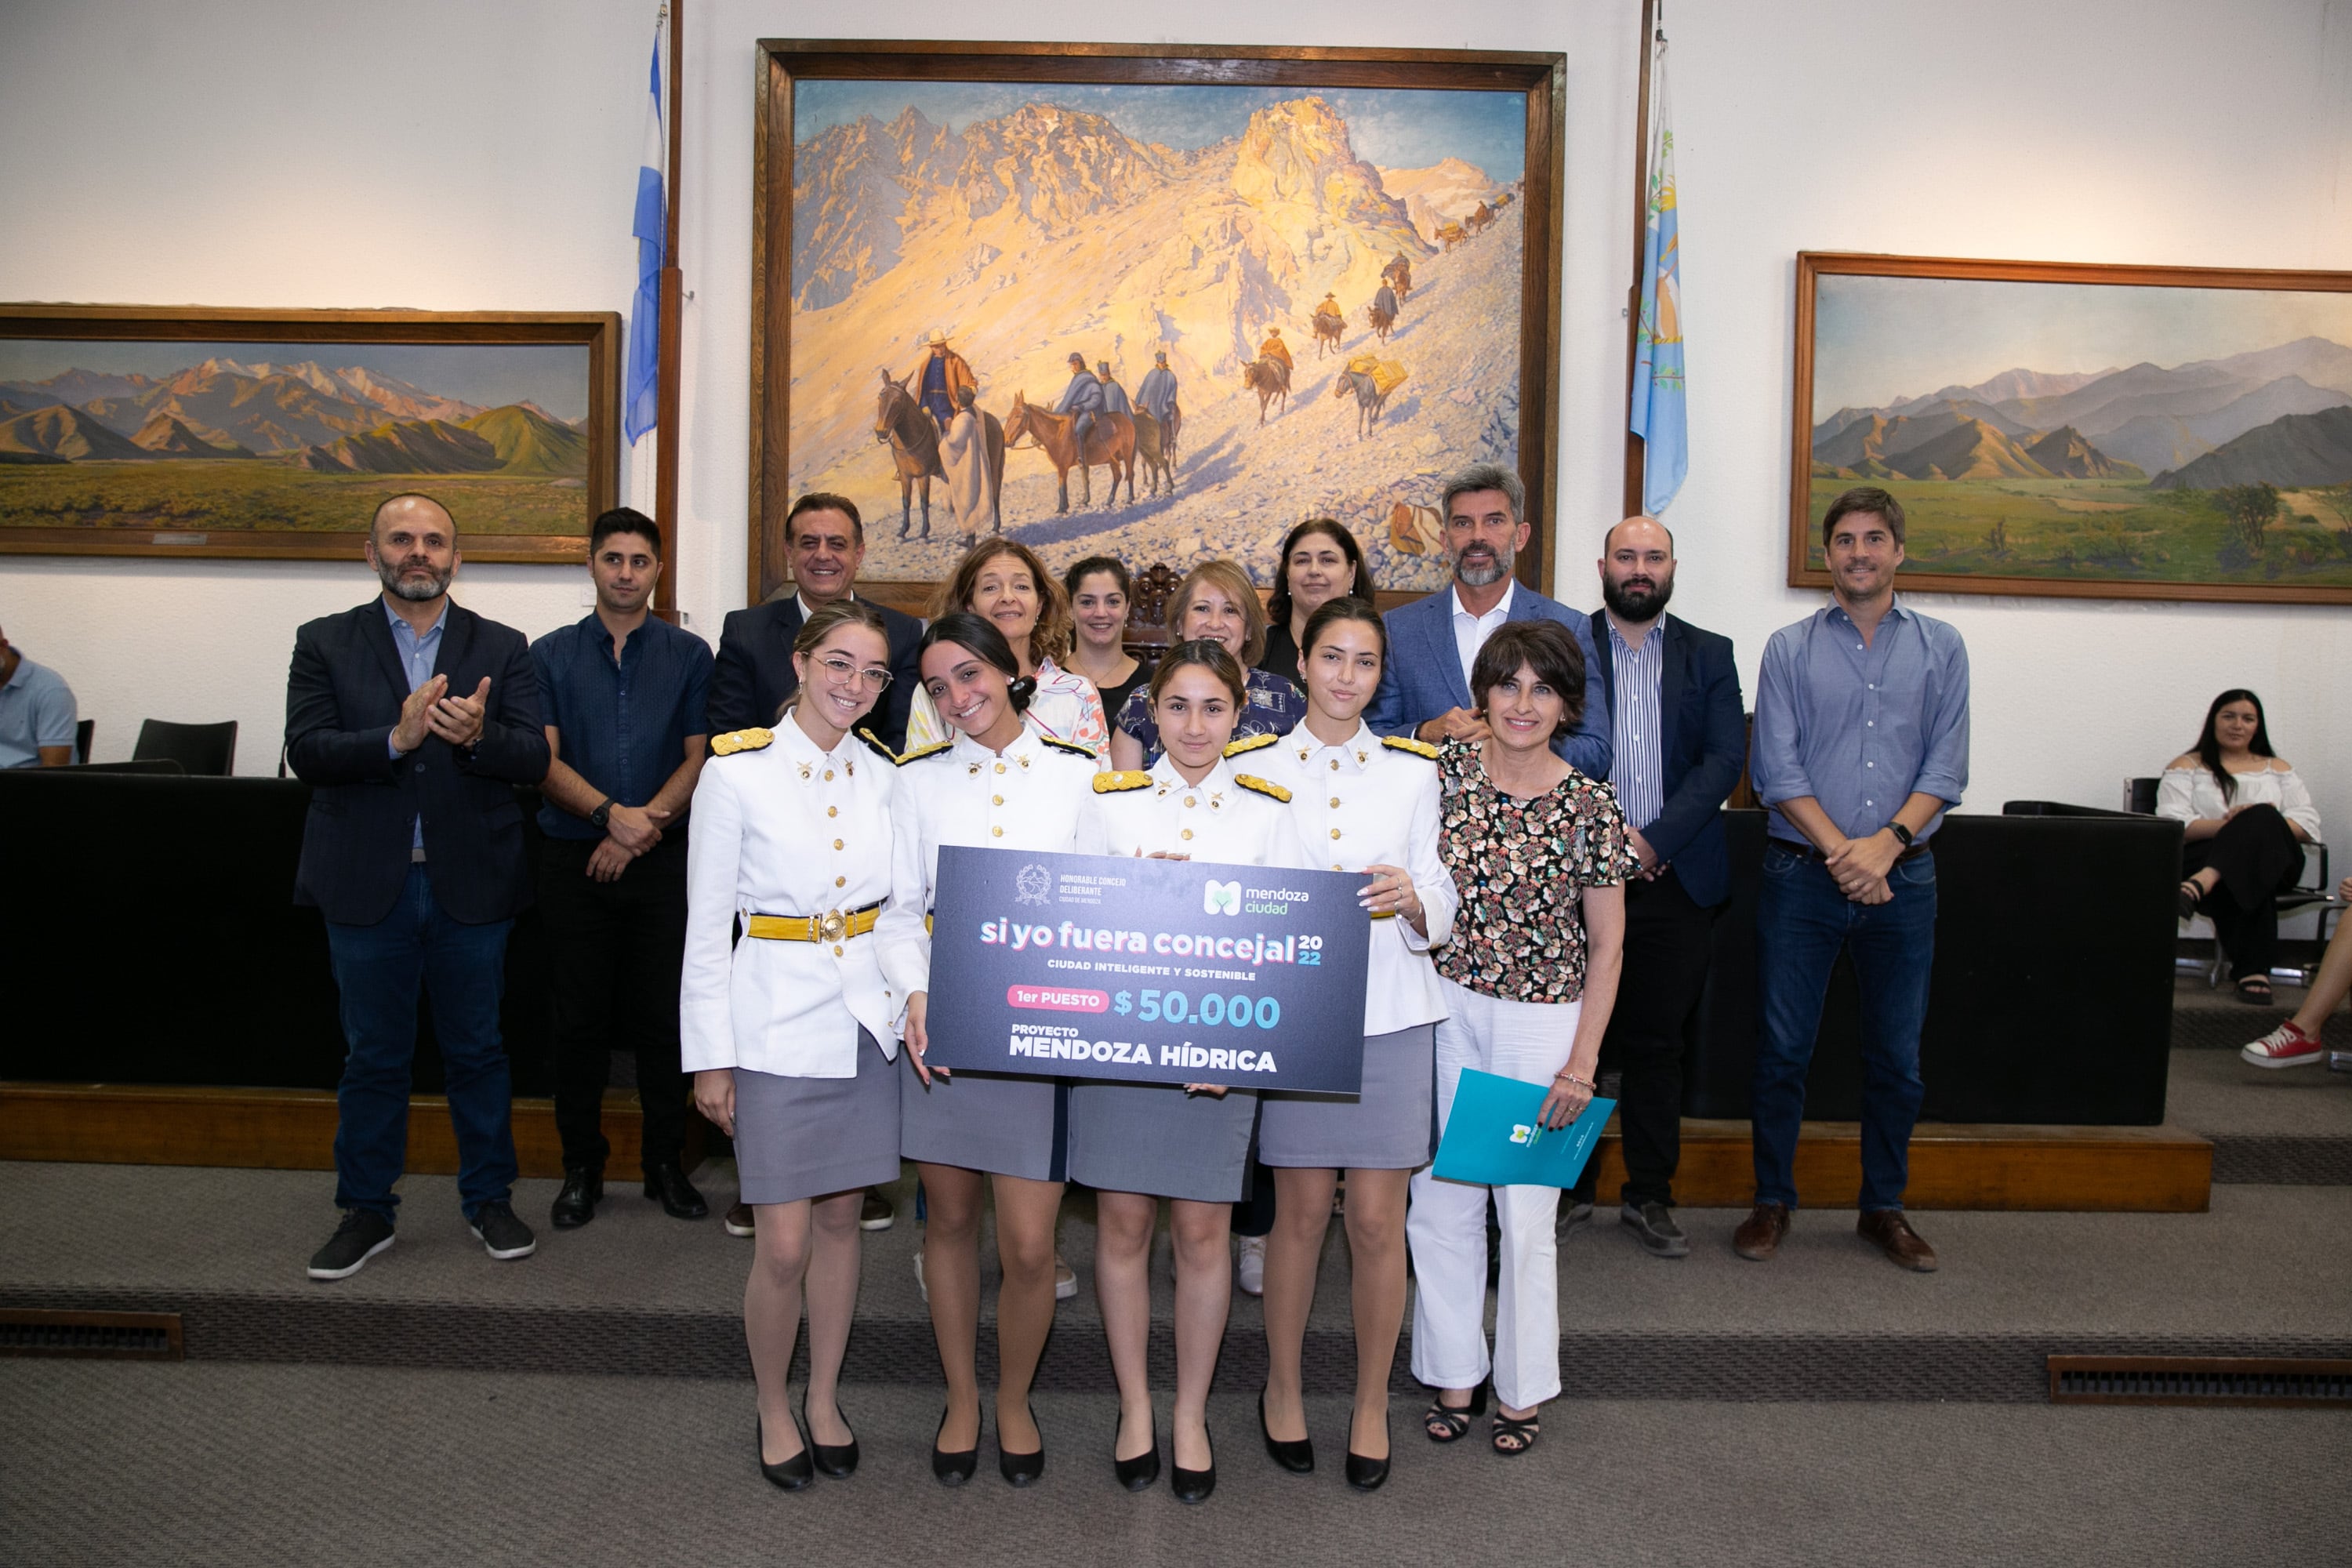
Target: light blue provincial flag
[[1660, 416], [639, 390]]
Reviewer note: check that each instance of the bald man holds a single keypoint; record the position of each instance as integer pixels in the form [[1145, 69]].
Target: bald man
[[412, 719], [1678, 741]]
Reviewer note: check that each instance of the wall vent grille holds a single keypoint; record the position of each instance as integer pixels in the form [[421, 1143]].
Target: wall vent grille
[[2288, 1383], [113, 1336]]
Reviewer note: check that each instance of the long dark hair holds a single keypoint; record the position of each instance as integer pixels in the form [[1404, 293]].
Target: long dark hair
[[1331, 612], [978, 636], [2208, 749], [1277, 602]]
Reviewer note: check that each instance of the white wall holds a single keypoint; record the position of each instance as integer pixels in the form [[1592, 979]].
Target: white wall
[[456, 153]]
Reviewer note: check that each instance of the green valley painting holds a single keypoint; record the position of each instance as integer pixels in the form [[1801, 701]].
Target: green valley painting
[[2114, 432], [187, 433], [1277, 300]]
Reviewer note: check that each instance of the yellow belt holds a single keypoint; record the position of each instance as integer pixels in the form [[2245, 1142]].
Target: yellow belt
[[833, 925]]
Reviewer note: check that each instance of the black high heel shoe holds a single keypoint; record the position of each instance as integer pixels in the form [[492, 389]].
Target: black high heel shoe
[[790, 1476], [1020, 1470], [1366, 1475], [837, 1461], [951, 1469], [1137, 1474], [1194, 1486], [1297, 1458]]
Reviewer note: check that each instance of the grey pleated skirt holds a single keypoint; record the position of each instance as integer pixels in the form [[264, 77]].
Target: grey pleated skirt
[[810, 1137], [1154, 1138], [1390, 1126], [991, 1122]]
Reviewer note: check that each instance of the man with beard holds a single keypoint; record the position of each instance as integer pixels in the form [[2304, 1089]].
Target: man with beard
[[624, 695], [1862, 743], [1425, 684], [412, 718], [1678, 736]]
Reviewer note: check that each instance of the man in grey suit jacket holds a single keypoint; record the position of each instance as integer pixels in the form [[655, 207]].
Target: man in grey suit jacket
[[1425, 682]]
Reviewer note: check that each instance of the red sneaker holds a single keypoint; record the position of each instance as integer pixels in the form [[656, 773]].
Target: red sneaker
[[2285, 1047]]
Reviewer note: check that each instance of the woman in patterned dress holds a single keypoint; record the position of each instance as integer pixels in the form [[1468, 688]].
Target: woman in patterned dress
[[1004, 581]]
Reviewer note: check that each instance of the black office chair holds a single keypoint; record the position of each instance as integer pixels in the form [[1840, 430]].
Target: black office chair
[[82, 733], [209, 750], [2312, 892]]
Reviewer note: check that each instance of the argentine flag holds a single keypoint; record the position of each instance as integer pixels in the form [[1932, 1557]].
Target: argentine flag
[[639, 390], [1659, 415]]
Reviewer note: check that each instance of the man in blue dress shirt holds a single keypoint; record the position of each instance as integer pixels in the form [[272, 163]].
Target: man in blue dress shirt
[[1861, 744], [623, 694], [37, 716]]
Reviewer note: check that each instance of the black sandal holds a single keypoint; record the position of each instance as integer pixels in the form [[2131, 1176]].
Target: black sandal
[[2255, 990], [1443, 1423], [1522, 1434], [2189, 897]]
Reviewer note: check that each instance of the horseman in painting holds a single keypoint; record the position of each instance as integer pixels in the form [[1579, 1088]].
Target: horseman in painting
[[938, 378]]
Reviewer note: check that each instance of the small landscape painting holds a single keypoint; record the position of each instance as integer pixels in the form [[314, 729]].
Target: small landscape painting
[[2066, 433], [1260, 304], [238, 446]]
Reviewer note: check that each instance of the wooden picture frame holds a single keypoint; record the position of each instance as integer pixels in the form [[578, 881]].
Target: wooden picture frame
[[782, 388], [537, 476], [2201, 450]]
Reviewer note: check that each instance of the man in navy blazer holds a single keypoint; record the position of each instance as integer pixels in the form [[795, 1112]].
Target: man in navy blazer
[[1679, 740], [754, 675], [412, 719], [1425, 681]]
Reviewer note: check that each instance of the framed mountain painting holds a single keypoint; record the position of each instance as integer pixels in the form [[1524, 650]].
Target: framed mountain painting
[[2085, 430], [1154, 301], [128, 430]]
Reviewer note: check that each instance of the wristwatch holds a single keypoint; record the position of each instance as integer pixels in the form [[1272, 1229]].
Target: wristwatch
[[603, 813], [1897, 828]]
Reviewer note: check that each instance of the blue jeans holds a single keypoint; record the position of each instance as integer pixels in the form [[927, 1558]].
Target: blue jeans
[[1802, 922], [379, 970]]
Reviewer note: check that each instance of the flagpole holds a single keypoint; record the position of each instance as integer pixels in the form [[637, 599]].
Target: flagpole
[[1635, 448], [666, 370]]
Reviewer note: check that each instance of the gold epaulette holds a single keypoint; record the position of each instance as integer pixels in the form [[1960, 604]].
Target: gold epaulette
[[1263, 786], [736, 741], [1130, 778], [1407, 744], [1250, 743], [933, 750], [885, 752], [1072, 747]]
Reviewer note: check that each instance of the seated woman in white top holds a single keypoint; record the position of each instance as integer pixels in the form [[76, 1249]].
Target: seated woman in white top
[[2248, 818], [1003, 581], [787, 1032]]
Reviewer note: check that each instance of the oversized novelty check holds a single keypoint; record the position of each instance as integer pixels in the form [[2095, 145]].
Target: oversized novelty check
[[1157, 971]]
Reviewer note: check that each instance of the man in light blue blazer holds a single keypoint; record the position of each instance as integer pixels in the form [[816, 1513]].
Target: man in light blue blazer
[[1425, 681]]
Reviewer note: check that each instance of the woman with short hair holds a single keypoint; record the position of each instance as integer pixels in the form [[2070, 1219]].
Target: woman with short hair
[[1540, 855], [1216, 602], [1003, 581]]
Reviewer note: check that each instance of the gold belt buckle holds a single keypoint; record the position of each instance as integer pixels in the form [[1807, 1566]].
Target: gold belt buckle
[[832, 925]]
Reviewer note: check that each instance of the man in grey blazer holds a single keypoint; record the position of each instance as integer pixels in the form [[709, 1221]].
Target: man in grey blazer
[[1425, 682]]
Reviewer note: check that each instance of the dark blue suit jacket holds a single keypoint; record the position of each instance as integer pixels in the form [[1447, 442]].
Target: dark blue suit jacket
[[1421, 676], [1703, 743], [343, 698], [753, 677]]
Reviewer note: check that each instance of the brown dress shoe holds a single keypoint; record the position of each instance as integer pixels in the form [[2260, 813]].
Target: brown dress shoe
[[1759, 1235], [1888, 1231]]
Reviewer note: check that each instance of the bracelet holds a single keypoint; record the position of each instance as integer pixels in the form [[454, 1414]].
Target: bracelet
[[1585, 1084]]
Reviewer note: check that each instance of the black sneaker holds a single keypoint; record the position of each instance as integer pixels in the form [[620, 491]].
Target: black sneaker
[[502, 1235], [875, 1213], [1654, 1225], [1573, 1215], [362, 1235]]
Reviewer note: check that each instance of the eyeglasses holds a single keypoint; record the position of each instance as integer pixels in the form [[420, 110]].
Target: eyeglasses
[[841, 672]]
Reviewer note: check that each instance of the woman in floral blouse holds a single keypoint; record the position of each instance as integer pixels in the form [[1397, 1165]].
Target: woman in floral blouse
[[1539, 854]]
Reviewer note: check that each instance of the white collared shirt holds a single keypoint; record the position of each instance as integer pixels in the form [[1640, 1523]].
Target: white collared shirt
[[1031, 797], [1471, 632], [786, 830], [1361, 804], [1215, 819]]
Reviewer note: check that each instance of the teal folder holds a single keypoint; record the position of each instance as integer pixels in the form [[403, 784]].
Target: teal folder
[[1492, 1139]]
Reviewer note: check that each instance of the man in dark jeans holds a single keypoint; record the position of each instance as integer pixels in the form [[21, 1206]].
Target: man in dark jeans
[[1677, 741], [1862, 743], [623, 694], [412, 719]]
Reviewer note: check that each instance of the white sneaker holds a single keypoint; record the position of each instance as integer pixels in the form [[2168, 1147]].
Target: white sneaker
[[1066, 1279], [1249, 1266], [920, 1285]]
